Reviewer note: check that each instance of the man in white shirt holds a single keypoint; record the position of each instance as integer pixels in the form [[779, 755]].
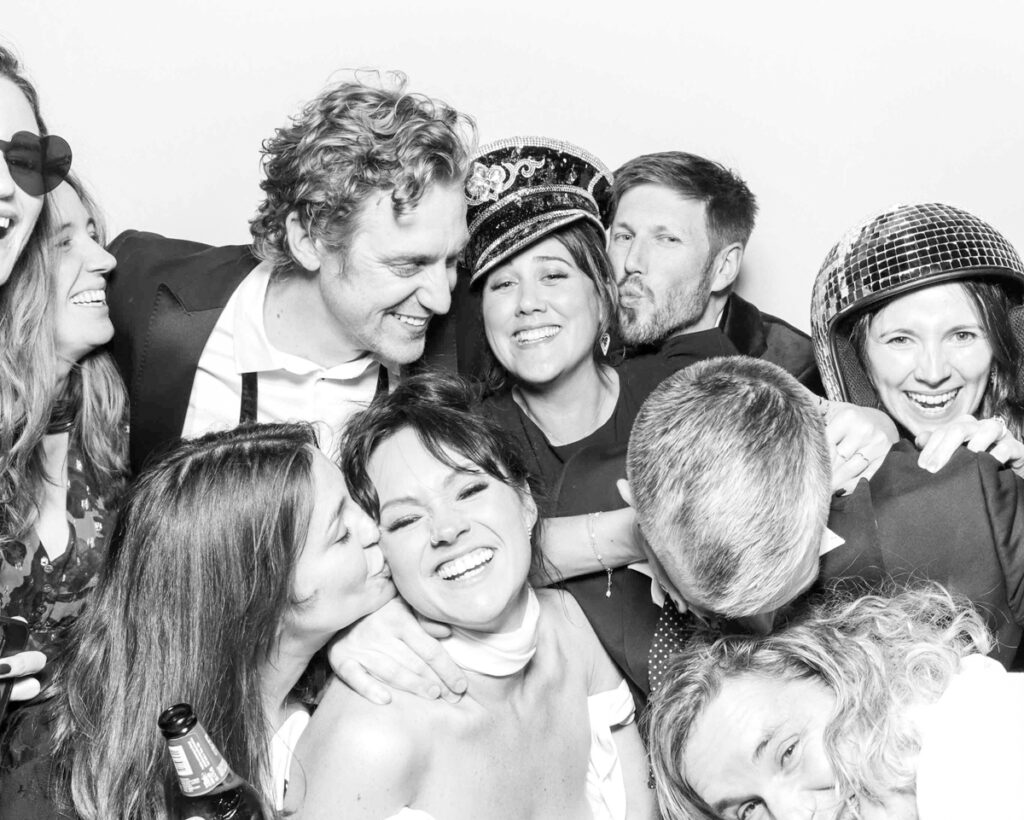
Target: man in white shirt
[[355, 245]]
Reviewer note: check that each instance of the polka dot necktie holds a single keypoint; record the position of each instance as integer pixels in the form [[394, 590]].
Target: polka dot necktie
[[670, 636]]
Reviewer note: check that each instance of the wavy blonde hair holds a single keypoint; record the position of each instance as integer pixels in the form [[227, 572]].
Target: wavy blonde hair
[[93, 397], [354, 139], [879, 655]]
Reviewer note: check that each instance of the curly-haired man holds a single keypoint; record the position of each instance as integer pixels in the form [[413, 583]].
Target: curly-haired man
[[354, 251]]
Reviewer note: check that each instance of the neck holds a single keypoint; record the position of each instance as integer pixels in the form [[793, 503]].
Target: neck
[[711, 316], [572, 407], [498, 660], [297, 321], [281, 671]]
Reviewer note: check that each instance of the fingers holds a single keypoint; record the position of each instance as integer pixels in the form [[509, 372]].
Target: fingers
[[22, 664], [19, 668], [435, 629], [25, 689], [433, 655], [938, 446], [353, 675], [859, 442]]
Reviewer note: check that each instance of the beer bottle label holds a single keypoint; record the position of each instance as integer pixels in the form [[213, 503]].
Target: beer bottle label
[[199, 765]]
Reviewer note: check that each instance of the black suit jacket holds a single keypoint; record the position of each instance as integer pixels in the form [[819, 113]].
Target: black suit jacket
[[165, 297], [963, 527]]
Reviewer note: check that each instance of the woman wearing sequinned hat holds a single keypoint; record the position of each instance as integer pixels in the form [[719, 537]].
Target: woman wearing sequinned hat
[[918, 310], [536, 256]]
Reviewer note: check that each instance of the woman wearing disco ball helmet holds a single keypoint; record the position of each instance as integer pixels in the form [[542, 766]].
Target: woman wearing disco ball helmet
[[919, 311]]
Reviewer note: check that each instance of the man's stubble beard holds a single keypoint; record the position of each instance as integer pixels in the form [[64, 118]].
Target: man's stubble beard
[[681, 309]]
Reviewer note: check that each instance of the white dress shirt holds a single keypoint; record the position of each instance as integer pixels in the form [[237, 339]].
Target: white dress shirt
[[291, 388]]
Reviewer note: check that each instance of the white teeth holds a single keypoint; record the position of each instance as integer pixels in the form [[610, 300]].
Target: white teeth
[[5, 222], [456, 568], [90, 297], [412, 321], [535, 334], [932, 399]]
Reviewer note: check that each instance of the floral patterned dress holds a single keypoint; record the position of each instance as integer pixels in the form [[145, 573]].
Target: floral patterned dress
[[50, 593]]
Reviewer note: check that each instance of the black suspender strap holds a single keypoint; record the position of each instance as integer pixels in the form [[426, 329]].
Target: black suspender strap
[[382, 381], [250, 391]]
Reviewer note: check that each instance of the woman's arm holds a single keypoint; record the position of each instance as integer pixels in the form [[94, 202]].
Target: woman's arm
[[566, 543]]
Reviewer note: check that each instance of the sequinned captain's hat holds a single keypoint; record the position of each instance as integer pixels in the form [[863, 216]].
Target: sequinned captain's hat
[[521, 189], [897, 251]]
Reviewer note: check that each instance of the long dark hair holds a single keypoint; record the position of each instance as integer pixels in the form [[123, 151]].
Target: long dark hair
[[1004, 395], [189, 604]]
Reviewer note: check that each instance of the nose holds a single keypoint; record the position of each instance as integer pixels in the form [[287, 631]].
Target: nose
[[101, 260], [435, 292], [445, 528], [635, 260], [530, 298], [932, 365]]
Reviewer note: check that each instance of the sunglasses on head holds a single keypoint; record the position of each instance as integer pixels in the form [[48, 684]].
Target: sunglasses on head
[[36, 164]]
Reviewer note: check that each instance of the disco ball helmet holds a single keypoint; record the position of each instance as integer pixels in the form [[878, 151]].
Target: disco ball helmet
[[900, 250]]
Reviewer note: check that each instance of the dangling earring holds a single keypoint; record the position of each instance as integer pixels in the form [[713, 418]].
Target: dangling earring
[[604, 341]]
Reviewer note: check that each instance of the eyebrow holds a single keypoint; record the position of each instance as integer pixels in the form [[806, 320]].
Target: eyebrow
[[453, 474], [768, 737]]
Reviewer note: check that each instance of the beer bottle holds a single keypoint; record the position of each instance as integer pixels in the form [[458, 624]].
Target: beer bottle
[[209, 789]]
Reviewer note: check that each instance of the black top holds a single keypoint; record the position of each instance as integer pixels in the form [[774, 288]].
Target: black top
[[546, 461]]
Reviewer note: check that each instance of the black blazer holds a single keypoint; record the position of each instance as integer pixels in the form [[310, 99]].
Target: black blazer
[[963, 527], [165, 297]]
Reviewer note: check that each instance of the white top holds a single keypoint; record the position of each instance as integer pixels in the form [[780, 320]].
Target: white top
[[606, 788], [282, 749], [291, 388], [972, 746]]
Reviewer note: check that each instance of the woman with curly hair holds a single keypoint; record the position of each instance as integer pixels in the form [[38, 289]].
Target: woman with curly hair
[[877, 707]]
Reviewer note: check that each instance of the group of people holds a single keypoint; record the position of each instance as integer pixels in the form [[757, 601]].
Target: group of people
[[472, 489]]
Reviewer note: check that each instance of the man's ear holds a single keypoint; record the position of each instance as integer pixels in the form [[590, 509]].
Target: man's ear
[[625, 491], [301, 244], [727, 267]]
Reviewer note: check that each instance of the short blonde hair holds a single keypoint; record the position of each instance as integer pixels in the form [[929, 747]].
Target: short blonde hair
[[731, 478]]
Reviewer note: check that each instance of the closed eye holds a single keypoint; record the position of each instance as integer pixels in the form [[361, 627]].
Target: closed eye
[[401, 522], [469, 491]]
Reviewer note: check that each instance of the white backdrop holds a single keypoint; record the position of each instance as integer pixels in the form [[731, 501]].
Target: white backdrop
[[828, 113]]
